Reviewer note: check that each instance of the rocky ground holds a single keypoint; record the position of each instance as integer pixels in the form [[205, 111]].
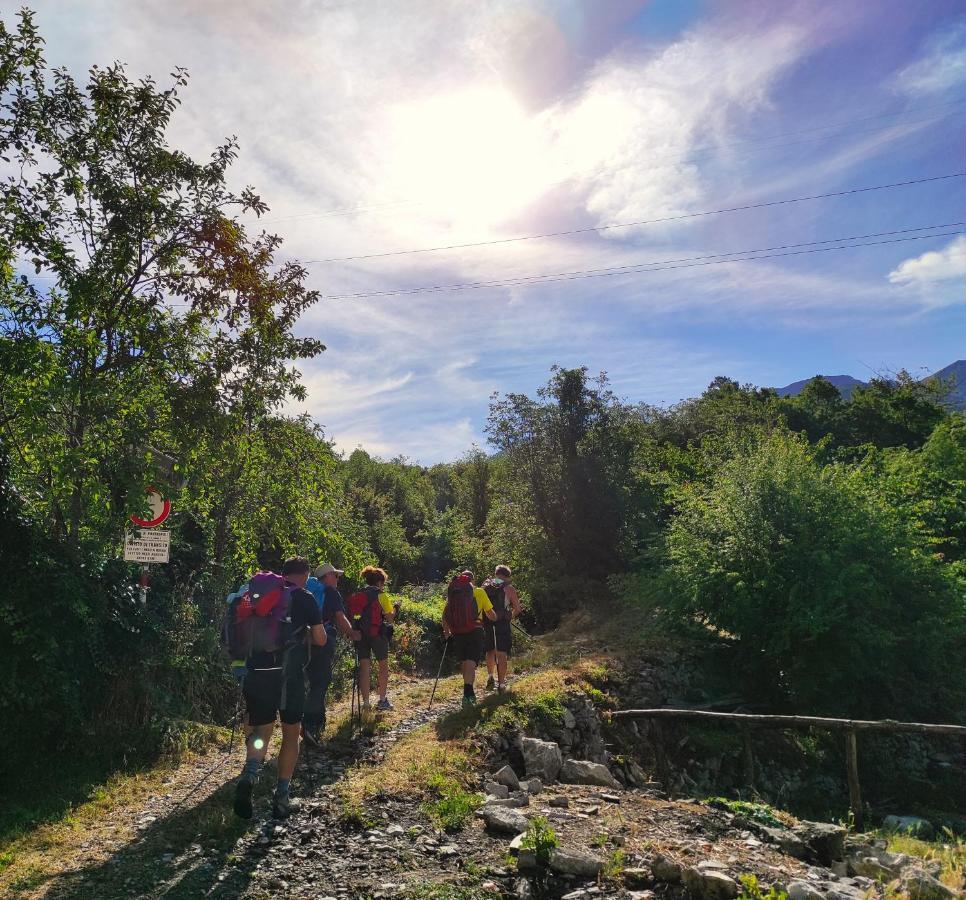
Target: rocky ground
[[613, 838]]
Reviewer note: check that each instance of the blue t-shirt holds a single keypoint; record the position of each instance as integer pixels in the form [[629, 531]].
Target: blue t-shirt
[[329, 600]]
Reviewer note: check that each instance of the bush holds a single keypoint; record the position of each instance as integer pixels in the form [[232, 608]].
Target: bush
[[832, 592]]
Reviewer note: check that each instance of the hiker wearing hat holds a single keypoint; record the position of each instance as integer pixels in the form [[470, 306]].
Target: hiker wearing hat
[[463, 615], [324, 587], [498, 635]]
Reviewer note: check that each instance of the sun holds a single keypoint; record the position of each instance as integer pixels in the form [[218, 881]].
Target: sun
[[472, 158]]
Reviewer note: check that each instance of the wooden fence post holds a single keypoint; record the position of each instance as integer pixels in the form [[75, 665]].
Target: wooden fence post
[[660, 754], [852, 768], [749, 759]]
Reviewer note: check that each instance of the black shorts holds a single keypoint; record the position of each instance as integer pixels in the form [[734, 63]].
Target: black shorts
[[268, 693], [468, 646], [377, 646], [498, 635]]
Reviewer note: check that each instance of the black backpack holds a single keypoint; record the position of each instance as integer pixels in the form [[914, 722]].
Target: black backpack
[[497, 595]]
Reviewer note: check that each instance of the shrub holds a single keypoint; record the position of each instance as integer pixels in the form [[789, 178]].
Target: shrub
[[836, 601]]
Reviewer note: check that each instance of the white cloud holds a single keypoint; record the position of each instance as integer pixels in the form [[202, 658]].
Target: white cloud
[[941, 68], [933, 266]]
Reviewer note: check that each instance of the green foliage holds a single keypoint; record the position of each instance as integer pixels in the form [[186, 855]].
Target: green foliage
[[452, 806], [540, 838], [755, 812], [835, 600], [614, 864], [751, 890]]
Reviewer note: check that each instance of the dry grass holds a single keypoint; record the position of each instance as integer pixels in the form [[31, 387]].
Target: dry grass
[[949, 851]]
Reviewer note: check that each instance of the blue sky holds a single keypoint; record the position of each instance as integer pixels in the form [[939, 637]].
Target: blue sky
[[382, 125]]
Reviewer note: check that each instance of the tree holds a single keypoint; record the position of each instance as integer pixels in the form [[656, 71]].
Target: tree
[[569, 454], [149, 301]]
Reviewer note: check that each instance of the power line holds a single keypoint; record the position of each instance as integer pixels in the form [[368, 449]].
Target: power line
[[613, 225], [667, 264]]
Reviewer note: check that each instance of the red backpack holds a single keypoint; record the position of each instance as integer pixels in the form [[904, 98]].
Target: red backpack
[[462, 611], [259, 620], [366, 611]]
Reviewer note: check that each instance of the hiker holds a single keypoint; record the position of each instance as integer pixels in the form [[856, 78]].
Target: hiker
[[276, 620], [324, 587], [466, 605], [372, 611], [498, 635]]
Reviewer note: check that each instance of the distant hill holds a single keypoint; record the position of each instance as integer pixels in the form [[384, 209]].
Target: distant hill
[[845, 383], [954, 373]]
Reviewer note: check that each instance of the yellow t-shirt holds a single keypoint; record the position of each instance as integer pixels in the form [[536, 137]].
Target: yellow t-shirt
[[483, 603]]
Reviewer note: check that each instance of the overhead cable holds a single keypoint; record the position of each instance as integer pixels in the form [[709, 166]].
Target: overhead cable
[[677, 218], [844, 243]]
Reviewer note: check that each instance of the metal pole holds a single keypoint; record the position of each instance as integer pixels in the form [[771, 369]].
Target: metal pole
[[144, 583], [439, 672]]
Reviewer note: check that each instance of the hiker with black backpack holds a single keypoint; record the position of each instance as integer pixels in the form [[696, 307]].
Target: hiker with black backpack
[[371, 611], [271, 627], [498, 635], [324, 587], [466, 606]]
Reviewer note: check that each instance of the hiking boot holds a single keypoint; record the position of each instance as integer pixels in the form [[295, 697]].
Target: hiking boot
[[502, 688], [283, 806], [490, 683], [384, 705], [243, 799], [469, 701]]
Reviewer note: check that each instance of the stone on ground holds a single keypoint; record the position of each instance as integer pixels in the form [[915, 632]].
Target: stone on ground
[[802, 890], [582, 771], [665, 869], [574, 862], [920, 886], [495, 789], [825, 841], [507, 776], [503, 821], [914, 825], [542, 758], [710, 884]]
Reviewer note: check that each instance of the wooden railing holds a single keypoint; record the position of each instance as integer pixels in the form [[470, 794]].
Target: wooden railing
[[850, 726]]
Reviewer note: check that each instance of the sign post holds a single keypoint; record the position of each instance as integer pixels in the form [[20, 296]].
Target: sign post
[[146, 546]]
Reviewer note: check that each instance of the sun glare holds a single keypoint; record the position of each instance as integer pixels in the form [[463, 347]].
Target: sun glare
[[472, 158]]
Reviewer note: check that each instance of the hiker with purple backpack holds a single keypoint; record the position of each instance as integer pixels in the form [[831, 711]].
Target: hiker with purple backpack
[[271, 626], [466, 606]]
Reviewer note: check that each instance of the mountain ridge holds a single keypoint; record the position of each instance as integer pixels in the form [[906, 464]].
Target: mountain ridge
[[954, 374]]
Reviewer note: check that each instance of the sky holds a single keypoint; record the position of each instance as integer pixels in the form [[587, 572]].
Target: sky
[[378, 126]]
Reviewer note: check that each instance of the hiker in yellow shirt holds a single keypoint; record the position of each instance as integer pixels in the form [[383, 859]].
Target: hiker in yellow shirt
[[466, 606]]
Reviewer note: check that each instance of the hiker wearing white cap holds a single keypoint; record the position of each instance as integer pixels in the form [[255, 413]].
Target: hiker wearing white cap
[[324, 587]]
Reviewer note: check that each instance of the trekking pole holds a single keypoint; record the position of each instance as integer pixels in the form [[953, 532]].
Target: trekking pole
[[356, 693], [439, 672], [529, 637]]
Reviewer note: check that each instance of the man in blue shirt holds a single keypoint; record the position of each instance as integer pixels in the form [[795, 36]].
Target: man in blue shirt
[[324, 587]]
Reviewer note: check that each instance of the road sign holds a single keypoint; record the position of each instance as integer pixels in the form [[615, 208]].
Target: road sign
[[146, 546], [160, 510]]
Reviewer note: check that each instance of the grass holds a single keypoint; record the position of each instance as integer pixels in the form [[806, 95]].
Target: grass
[[614, 864], [452, 806], [756, 812], [949, 851]]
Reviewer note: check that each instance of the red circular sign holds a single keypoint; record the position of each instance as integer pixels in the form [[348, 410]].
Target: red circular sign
[[160, 510]]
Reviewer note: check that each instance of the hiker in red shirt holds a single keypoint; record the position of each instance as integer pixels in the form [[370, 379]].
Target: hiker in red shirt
[[466, 605]]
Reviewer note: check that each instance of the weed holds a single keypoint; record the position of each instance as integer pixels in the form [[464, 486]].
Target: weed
[[751, 890], [353, 815], [757, 812], [33, 877], [540, 838], [614, 865], [600, 840], [452, 807], [444, 891], [6, 859], [949, 852]]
